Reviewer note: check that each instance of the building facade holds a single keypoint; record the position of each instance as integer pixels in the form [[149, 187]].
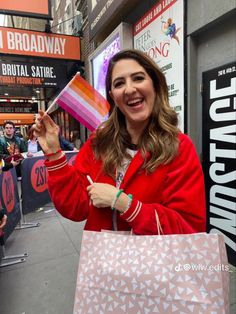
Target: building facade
[[200, 68]]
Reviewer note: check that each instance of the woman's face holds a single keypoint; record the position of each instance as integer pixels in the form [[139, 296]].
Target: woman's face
[[133, 92]]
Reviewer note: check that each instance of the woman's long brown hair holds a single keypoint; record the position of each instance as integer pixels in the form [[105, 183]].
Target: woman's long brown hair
[[159, 141]]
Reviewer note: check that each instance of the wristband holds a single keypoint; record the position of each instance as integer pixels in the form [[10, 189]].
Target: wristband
[[52, 154], [116, 198]]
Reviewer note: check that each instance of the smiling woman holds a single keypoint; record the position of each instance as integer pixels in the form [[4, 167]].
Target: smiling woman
[[144, 172], [133, 93]]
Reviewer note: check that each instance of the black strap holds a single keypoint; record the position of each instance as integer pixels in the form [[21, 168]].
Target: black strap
[[114, 220]]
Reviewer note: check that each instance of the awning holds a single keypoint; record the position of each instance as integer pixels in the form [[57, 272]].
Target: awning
[[17, 118]]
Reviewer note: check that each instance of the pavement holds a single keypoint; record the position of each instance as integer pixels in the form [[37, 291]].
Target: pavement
[[45, 282]]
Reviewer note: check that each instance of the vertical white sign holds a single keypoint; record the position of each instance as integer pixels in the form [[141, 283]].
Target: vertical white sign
[[160, 34], [219, 152]]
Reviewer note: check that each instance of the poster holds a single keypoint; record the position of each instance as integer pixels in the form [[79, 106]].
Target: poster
[[100, 64], [160, 34], [34, 183]]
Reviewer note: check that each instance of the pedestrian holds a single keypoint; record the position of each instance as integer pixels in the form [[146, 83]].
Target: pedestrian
[[137, 170], [12, 145], [75, 139], [32, 144]]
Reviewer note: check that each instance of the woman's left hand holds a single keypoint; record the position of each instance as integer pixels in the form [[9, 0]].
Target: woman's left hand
[[102, 194]]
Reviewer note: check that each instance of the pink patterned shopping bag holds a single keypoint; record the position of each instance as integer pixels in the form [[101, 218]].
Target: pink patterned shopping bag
[[125, 274]]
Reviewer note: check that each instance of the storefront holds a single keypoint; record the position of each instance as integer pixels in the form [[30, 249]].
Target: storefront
[[201, 41], [34, 68]]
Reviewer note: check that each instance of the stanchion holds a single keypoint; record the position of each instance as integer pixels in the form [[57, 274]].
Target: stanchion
[[13, 259], [22, 223]]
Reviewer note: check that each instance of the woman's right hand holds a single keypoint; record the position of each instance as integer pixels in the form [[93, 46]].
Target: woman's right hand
[[47, 132]]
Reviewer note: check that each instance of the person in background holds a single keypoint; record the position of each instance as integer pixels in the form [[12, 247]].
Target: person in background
[[75, 139], [33, 144], [10, 144], [137, 171]]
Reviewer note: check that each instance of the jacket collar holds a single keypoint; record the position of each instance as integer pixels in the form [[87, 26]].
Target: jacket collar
[[133, 168]]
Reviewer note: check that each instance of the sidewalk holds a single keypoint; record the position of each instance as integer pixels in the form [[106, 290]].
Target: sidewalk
[[45, 283]]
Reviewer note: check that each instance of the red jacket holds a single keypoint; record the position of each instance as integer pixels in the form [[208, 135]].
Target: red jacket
[[175, 192]]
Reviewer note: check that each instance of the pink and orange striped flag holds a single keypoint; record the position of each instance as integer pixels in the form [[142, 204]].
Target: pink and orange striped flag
[[83, 102]]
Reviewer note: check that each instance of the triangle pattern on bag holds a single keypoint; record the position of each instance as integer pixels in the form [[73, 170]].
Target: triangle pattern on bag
[[123, 274]]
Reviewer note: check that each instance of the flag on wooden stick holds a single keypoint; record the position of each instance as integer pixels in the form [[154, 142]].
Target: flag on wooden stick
[[83, 102]]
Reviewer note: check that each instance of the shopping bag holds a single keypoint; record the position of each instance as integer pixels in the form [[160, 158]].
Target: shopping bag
[[131, 274]]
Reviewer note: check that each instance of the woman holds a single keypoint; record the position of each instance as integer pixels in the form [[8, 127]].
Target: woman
[[146, 173], [32, 143]]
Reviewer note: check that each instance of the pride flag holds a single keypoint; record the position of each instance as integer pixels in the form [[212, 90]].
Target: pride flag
[[83, 102]]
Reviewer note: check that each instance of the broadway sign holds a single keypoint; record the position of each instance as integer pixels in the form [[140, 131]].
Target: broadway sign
[[39, 44], [219, 152]]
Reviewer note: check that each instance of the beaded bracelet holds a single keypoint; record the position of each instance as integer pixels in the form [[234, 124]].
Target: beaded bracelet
[[130, 200], [130, 196], [52, 154], [115, 199]]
